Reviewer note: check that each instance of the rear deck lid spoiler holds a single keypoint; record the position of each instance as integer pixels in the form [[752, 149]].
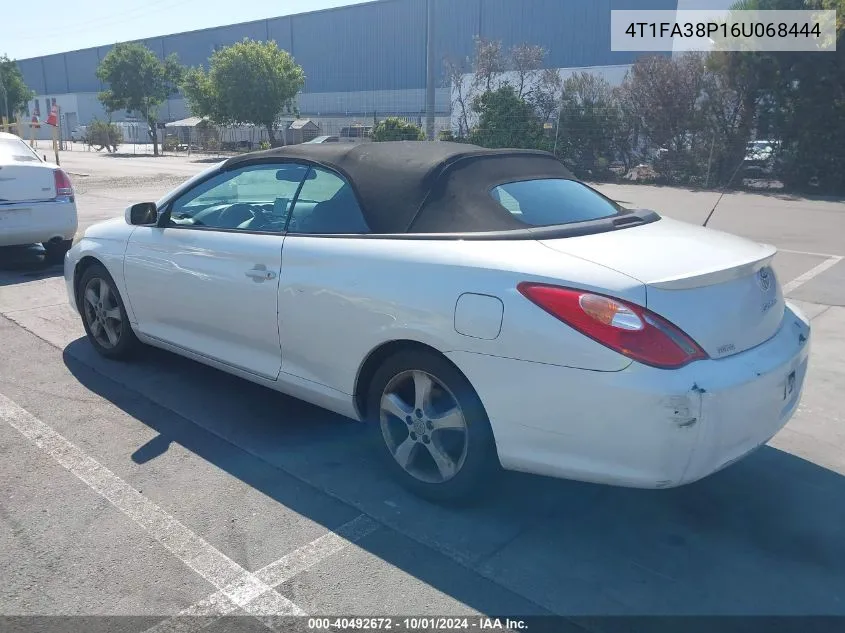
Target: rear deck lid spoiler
[[734, 270]]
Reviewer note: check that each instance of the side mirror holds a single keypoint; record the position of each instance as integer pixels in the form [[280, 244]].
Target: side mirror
[[142, 214]]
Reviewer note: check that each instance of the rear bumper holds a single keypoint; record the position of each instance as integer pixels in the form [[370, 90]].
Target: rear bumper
[[36, 222], [642, 427]]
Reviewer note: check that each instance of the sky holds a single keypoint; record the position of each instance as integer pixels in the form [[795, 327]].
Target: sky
[[57, 26]]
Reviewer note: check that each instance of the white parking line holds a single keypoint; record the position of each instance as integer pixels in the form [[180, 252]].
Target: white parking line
[[237, 588], [813, 272], [210, 609], [786, 250]]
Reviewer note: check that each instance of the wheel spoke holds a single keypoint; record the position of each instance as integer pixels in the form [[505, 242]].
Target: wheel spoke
[[105, 293], [422, 391], [91, 297], [96, 327], [395, 406], [444, 463], [451, 419], [113, 313], [111, 333], [404, 452]]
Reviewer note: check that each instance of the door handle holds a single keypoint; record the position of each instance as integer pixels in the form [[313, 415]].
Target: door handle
[[260, 273]]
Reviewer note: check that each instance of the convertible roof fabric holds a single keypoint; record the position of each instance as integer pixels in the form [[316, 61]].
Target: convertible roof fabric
[[423, 186]]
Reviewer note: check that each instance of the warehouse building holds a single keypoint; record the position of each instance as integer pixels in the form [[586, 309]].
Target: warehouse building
[[365, 61]]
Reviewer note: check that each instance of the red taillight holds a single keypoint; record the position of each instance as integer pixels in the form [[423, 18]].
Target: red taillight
[[64, 187], [624, 327]]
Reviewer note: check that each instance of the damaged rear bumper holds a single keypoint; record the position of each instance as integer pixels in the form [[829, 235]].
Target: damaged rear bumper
[[741, 412], [642, 427]]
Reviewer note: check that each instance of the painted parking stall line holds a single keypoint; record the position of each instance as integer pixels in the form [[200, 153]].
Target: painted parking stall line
[[237, 583], [800, 280], [238, 589], [812, 253], [217, 605]]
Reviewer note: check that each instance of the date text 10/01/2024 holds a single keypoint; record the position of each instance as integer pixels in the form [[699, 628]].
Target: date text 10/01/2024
[[481, 623], [723, 29]]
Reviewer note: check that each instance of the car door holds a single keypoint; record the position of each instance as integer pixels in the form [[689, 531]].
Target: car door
[[325, 262], [207, 280]]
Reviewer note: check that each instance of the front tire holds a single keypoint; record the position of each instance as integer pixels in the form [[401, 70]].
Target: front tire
[[104, 315], [431, 428], [54, 252]]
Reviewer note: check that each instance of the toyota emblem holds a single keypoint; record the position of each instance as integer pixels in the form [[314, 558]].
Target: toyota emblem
[[764, 278]]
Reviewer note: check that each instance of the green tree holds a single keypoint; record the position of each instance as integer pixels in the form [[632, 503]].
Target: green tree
[[545, 95], [249, 82], [526, 61], [663, 98], [505, 120], [731, 101], [138, 82], [14, 93], [396, 129], [485, 68], [590, 125], [798, 98], [663, 94], [809, 97]]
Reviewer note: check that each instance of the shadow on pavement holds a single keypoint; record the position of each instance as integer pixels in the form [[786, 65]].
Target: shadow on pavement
[[19, 264], [764, 537]]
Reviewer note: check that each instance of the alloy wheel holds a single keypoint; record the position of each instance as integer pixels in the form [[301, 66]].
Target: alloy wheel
[[423, 426], [102, 313]]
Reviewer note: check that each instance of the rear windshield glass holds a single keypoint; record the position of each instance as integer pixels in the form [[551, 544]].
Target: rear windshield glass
[[14, 149], [552, 201]]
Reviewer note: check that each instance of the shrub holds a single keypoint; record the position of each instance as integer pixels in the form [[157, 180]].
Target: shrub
[[170, 144], [396, 129], [506, 120], [103, 134]]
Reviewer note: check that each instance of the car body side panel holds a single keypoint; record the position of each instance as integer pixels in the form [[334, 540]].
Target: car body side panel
[[211, 292], [341, 298], [106, 242], [309, 391]]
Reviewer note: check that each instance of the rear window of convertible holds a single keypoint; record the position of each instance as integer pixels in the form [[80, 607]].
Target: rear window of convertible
[[553, 201]]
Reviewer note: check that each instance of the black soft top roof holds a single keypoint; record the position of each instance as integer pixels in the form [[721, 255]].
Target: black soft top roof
[[423, 186]]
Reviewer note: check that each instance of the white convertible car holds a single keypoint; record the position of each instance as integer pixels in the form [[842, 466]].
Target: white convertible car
[[480, 308]]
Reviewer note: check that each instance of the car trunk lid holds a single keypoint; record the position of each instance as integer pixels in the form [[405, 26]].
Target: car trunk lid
[[22, 182], [720, 289]]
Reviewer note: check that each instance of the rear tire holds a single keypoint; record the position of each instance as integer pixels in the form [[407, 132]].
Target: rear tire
[[54, 252], [103, 314], [430, 428]]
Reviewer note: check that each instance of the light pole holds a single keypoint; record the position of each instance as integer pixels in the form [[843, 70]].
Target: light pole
[[430, 72]]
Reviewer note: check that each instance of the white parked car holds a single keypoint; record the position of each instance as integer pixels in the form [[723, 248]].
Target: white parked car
[[37, 202], [323, 139], [78, 133], [479, 308]]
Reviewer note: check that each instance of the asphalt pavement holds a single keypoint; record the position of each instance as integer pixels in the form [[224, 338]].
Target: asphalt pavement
[[163, 487]]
